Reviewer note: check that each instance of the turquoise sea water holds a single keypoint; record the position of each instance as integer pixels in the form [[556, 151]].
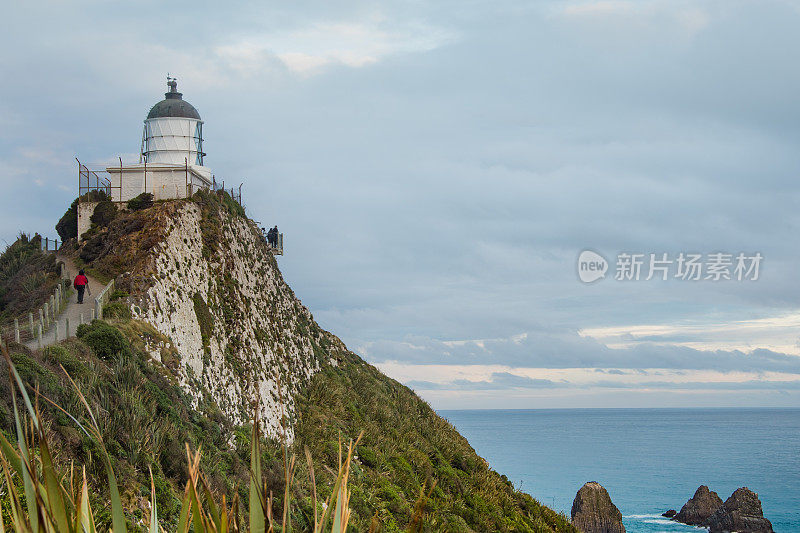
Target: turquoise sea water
[[650, 460]]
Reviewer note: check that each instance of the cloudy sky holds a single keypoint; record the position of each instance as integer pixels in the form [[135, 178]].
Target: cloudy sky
[[437, 168]]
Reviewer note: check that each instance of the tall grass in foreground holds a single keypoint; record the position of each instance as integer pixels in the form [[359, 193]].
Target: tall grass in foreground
[[43, 499]]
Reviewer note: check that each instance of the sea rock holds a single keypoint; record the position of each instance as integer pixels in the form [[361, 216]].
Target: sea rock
[[670, 513], [741, 513], [699, 508], [593, 511]]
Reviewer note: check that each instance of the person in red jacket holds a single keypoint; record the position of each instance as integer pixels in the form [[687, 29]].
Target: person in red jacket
[[80, 284]]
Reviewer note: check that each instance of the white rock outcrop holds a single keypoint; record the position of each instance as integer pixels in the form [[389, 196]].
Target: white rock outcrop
[[238, 328]]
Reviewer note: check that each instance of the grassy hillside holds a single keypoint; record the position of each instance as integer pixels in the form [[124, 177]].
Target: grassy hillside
[[146, 417], [408, 448], [28, 277]]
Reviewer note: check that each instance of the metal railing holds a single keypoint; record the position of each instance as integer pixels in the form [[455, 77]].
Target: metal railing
[[234, 192], [49, 245], [89, 181], [102, 299]]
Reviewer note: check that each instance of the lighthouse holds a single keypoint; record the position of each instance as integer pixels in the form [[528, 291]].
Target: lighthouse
[[171, 160], [173, 131]]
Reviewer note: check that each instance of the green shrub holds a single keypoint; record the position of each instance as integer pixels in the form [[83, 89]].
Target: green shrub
[[67, 226], [116, 310], [143, 201], [104, 213], [106, 341], [367, 456], [94, 248], [95, 196], [204, 318], [60, 355], [118, 294], [32, 372]]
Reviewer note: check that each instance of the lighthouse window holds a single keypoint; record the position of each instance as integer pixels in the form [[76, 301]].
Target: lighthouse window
[[198, 141]]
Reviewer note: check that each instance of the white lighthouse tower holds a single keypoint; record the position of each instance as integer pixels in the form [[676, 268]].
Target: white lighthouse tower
[[171, 155], [173, 131], [170, 161]]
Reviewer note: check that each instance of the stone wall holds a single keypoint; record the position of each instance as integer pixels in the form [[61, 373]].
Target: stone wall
[[85, 212]]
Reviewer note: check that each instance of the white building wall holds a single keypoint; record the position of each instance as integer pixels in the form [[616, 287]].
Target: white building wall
[[162, 181], [85, 212]]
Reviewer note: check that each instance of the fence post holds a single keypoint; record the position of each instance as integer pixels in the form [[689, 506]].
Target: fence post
[[53, 306], [92, 314], [30, 319], [56, 330], [41, 317], [39, 337], [58, 301], [16, 330], [66, 328], [98, 308], [81, 319]]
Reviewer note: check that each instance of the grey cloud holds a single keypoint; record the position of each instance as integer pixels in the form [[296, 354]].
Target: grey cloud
[[497, 381], [445, 193], [546, 349]]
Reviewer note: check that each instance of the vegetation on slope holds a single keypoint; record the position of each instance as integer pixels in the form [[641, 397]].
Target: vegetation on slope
[[406, 449], [146, 418], [41, 495], [28, 277]]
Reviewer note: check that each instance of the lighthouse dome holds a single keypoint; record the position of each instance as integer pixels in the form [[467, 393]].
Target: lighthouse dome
[[173, 131], [173, 105]]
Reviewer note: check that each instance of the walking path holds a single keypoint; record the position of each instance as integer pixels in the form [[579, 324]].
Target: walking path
[[73, 310]]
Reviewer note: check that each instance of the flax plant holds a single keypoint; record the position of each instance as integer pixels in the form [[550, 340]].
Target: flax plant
[[54, 501]]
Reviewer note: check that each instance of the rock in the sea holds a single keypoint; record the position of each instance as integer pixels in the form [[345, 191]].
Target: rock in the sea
[[741, 513], [670, 513], [593, 511], [699, 508]]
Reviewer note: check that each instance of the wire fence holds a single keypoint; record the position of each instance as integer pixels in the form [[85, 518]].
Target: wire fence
[[50, 245]]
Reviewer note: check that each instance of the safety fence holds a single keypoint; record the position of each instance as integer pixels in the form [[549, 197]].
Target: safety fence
[[102, 299], [89, 181], [50, 245], [31, 328]]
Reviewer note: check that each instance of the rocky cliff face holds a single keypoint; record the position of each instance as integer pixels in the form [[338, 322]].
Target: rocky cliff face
[[594, 512], [700, 507], [210, 284], [741, 513], [208, 301]]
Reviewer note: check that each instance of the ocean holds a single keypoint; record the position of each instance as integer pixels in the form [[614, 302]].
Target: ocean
[[649, 460]]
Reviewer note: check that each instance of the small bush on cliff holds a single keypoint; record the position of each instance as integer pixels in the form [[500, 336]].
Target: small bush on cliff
[[143, 201], [116, 310], [204, 318], [28, 277], [104, 213], [106, 340], [67, 226]]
